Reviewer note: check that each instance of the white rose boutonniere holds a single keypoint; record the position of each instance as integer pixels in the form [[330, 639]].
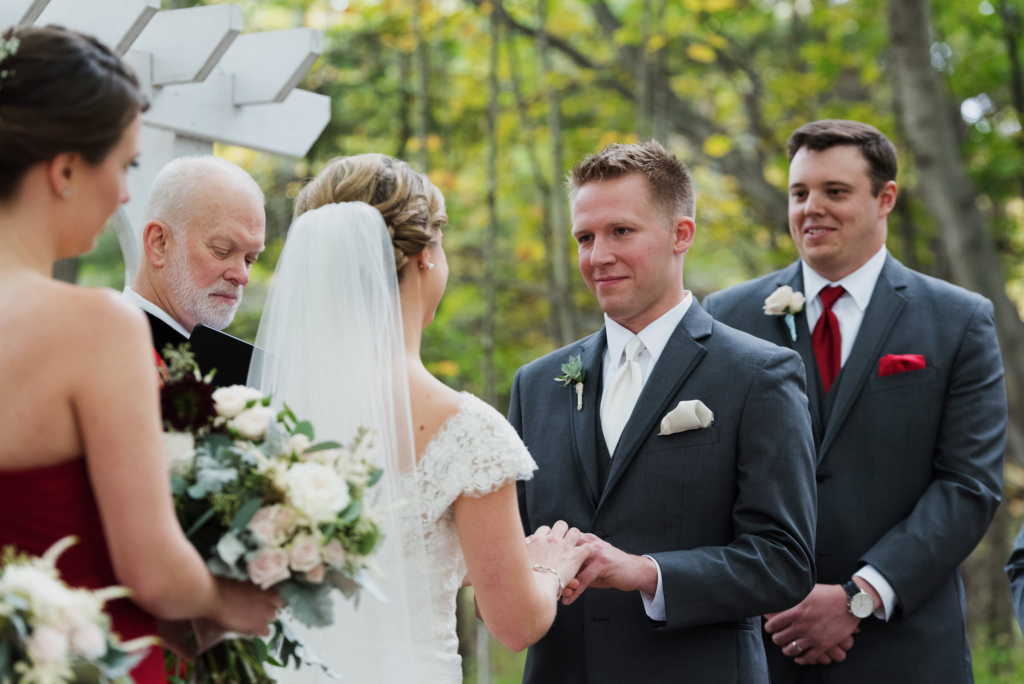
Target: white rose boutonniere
[[785, 302], [573, 372]]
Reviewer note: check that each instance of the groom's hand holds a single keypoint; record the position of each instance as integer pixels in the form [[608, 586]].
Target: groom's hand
[[609, 568], [819, 625]]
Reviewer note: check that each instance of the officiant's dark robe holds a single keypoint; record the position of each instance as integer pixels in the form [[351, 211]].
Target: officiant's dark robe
[[163, 334], [220, 352]]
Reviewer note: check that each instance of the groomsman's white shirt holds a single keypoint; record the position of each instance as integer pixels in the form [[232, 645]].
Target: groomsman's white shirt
[[148, 306], [849, 310], [655, 336]]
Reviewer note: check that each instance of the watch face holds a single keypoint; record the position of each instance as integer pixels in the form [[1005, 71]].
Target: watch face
[[861, 605]]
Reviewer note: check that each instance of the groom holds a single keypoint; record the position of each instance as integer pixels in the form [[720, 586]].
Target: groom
[[697, 531]]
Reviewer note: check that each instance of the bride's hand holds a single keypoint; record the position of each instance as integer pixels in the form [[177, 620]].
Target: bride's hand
[[556, 547], [245, 608]]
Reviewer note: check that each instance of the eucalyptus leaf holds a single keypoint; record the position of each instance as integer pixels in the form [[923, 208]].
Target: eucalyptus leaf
[[322, 446], [245, 514], [351, 512], [178, 485], [304, 428], [203, 519], [375, 478], [310, 603]]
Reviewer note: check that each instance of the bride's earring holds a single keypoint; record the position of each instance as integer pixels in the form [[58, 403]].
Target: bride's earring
[[430, 266]]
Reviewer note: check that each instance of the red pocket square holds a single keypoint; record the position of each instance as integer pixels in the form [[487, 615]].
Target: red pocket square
[[891, 364]]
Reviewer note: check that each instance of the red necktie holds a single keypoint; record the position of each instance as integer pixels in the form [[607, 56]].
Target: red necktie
[[826, 340]]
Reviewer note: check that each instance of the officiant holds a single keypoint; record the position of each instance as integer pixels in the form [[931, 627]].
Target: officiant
[[204, 228]]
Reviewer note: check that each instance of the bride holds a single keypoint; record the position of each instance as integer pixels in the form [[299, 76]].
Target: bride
[[361, 275]]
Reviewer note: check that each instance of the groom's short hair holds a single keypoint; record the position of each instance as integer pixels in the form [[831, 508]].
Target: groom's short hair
[[667, 179]]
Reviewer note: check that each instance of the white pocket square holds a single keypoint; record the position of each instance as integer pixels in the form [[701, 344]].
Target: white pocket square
[[688, 415]]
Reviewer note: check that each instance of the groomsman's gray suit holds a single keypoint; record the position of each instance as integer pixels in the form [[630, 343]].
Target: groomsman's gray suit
[[727, 510], [1015, 569], [910, 465]]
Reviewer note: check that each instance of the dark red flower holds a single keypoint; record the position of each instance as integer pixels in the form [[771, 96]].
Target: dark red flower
[[187, 404]]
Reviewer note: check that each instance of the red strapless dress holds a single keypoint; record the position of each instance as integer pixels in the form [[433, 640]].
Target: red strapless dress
[[38, 507]]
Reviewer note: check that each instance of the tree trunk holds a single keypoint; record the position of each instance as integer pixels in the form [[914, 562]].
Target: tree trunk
[[491, 237], [964, 232], [1011, 34], [644, 99], [66, 270], [562, 301], [422, 71], [949, 194]]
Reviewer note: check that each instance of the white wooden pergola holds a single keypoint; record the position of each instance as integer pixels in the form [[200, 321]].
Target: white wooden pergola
[[205, 80]]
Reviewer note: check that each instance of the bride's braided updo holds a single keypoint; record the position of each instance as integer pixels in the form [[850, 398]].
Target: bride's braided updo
[[406, 199]]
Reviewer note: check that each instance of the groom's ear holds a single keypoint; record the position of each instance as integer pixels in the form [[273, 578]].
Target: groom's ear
[[154, 242], [683, 232]]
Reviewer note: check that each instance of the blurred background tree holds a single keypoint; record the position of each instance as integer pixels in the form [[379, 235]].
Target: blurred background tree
[[496, 99]]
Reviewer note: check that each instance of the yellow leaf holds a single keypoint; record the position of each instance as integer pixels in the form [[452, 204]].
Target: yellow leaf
[[718, 5], [693, 5], [447, 369], [433, 143], [656, 43], [701, 53], [717, 146], [716, 41]]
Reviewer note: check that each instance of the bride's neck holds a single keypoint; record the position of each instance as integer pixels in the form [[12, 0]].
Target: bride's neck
[[25, 242], [412, 324]]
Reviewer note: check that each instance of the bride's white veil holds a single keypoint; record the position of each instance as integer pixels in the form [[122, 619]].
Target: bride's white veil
[[334, 351]]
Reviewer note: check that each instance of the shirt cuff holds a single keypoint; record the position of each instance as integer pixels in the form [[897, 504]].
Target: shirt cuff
[[881, 585], [654, 606]]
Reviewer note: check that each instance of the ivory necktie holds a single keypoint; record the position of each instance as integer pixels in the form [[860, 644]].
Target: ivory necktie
[[826, 340], [622, 395]]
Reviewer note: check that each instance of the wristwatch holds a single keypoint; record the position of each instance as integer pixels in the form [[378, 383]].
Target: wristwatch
[[860, 603]]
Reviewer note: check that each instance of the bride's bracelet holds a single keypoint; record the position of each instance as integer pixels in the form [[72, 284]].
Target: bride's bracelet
[[547, 568]]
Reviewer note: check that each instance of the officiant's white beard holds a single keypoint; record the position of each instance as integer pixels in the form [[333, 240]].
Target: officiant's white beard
[[198, 302]]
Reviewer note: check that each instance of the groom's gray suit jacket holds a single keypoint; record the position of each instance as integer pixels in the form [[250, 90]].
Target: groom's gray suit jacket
[[910, 466], [727, 510]]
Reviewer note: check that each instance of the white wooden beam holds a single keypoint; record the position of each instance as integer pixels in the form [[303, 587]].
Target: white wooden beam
[[267, 66], [115, 22], [186, 44], [205, 111], [20, 12]]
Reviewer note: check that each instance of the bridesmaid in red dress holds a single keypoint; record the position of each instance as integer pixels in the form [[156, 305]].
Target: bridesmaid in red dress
[[80, 451]]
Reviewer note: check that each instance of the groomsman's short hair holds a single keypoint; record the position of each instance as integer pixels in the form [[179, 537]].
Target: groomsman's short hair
[[667, 178], [877, 149]]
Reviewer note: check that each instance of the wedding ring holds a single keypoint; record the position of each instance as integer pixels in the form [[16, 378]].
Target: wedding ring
[[796, 647]]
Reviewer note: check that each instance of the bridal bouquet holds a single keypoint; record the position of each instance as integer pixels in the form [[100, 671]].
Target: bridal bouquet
[[53, 634], [264, 503]]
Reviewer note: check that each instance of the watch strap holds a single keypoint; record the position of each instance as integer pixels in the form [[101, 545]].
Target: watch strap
[[851, 589]]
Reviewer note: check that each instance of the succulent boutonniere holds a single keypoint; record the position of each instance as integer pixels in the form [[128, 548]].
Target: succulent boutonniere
[[785, 302], [573, 372]]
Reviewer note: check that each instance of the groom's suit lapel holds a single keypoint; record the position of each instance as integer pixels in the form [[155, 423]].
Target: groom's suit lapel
[[884, 309], [584, 422], [680, 356]]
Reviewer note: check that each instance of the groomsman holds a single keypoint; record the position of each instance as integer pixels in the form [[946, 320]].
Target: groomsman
[[684, 454], [204, 228], [905, 387]]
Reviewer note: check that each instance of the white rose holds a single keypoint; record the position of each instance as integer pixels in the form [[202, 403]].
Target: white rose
[[796, 303], [253, 423], [297, 445], [179, 452], [48, 598], [47, 645], [230, 401], [89, 641], [776, 304], [268, 567], [333, 554], [305, 553], [316, 575], [316, 491]]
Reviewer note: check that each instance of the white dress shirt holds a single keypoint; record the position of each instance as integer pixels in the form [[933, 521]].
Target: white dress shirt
[[149, 307], [655, 336], [849, 310]]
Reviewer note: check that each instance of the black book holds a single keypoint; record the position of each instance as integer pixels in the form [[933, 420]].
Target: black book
[[229, 355]]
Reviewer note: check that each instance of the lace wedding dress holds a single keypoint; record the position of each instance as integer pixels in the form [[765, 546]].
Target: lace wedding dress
[[474, 453]]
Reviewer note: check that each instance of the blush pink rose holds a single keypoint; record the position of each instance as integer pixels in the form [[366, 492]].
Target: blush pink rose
[[268, 567], [316, 575], [305, 553], [333, 554]]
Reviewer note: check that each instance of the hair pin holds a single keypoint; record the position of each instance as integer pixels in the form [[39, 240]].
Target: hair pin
[[8, 48]]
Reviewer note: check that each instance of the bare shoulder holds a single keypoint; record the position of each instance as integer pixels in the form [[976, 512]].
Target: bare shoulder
[[106, 312], [433, 403]]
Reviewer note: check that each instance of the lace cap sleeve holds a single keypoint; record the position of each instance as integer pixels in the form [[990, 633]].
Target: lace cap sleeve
[[476, 453]]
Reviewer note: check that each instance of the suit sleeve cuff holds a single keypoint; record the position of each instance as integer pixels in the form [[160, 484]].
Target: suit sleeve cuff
[[654, 606], [881, 585]]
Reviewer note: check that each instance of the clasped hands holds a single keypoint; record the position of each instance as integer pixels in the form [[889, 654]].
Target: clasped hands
[[609, 568], [820, 629]]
